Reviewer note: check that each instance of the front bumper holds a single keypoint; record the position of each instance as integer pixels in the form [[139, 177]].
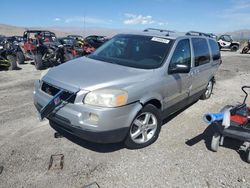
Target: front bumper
[[111, 136], [108, 125]]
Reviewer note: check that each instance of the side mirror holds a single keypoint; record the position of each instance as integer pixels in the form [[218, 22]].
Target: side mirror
[[178, 68]]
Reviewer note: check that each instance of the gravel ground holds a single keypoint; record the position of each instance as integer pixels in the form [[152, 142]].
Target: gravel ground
[[179, 158]]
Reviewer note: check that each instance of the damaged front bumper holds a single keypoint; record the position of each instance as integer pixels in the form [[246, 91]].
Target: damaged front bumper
[[96, 124]]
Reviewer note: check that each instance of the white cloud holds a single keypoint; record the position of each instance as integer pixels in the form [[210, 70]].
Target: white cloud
[[132, 19], [57, 19], [162, 23], [86, 19]]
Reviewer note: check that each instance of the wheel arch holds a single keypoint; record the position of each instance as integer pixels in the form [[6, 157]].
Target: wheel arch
[[154, 101], [235, 44]]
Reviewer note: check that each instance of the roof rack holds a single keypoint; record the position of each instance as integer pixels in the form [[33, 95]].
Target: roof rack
[[197, 33], [160, 30]]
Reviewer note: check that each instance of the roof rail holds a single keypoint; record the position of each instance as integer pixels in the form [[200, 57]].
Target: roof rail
[[197, 33], [160, 30]]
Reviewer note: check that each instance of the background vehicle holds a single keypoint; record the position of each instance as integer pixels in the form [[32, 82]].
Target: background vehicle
[[246, 48], [7, 55], [15, 39], [72, 45], [78, 47], [226, 42], [95, 40], [124, 90], [42, 47], [76, 37]]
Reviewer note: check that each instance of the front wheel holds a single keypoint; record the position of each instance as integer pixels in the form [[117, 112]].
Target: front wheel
[[20, 57], [12, 62], [38, 62], [215, 142], [209, 90], [245, 50], [145, 128]]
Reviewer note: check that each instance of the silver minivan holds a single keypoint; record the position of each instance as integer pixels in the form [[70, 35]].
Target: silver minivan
[[123, 91]]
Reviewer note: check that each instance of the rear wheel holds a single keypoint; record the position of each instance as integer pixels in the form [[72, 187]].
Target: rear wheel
[[234, 48], [38, 62], [215, 142], [209, 90], [145, 128], [20, 57]]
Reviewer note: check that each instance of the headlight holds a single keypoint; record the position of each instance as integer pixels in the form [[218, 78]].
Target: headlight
[[43, 73], [107, 98]]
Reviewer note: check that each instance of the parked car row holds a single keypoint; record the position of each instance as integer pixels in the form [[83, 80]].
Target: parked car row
[[46, 50]]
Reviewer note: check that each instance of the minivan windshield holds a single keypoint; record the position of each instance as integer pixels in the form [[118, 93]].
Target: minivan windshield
[[144, 52]]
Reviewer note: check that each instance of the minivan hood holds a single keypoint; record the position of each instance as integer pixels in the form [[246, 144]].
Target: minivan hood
[[89, 74]]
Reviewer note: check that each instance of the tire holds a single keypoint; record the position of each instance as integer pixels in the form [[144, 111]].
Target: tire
[[215, 142], [234, 48], [245, 50], [38, 62], [209, 89], [145, 128], [248, 154], [20, 57], [12, 61]]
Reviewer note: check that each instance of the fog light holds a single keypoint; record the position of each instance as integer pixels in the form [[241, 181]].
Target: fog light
[[93, 117]]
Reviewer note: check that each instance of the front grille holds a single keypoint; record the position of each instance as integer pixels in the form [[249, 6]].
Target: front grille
[[51, 90]]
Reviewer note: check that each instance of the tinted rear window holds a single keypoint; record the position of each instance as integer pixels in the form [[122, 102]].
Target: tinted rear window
[[201, 51], [215, 49]]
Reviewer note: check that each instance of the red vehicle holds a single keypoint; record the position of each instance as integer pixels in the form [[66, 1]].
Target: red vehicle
[[42, 47], [88, 49]]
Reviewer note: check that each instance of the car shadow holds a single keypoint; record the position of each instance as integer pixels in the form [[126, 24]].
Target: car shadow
[[97, 147], [107, 148], [229, 143]]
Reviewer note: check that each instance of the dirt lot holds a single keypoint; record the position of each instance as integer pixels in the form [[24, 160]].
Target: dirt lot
[[179, 158]]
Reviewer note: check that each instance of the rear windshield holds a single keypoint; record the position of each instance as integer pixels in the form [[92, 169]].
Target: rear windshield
[[144, 52]]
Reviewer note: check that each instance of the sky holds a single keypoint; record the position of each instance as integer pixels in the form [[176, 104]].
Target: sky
[[178, 15]]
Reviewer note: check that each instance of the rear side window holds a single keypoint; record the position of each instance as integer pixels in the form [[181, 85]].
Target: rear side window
[[215, 49], [201, 51]]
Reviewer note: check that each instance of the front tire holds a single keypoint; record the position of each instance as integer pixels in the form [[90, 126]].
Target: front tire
[[12, 62], [209, 90], [20, 57], [38, 62], [215, 142], [145, 128]]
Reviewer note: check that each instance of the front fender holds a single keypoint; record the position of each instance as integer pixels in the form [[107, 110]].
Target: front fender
[[152, 96]]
